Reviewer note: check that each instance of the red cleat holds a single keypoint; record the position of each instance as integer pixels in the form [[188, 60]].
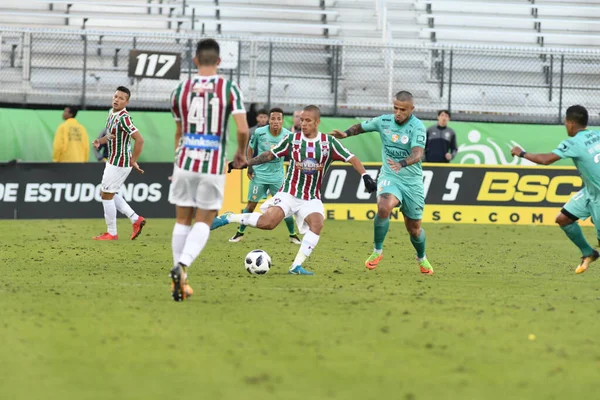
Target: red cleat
[[137, 227], [106, 236]]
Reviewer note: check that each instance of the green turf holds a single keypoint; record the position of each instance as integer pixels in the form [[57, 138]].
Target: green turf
[[88, 320]]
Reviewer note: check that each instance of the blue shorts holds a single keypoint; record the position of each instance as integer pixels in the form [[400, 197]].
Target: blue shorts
[[582, 207], [410, 195]]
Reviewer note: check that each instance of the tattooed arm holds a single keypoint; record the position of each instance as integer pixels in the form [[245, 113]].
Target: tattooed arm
[[415, 156], [262, 158], [354, 130]]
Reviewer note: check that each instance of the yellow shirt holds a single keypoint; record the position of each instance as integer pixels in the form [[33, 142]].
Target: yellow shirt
[[71, 143]]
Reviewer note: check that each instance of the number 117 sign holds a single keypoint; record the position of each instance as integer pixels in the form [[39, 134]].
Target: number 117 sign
[[149, 64]]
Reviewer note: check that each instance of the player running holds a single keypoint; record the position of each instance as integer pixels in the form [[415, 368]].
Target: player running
[[201, 107], [268, 177], [583, 147], [119, 132], [310, 152], [400, 181]]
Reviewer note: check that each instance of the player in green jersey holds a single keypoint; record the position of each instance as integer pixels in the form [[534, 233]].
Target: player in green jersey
[[583, 147], [400, 181], [266, 178]]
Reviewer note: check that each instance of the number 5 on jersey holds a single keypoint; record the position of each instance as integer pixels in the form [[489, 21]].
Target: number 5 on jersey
[[198, 114]]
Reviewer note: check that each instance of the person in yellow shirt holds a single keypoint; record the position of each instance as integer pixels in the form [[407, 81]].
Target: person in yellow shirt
[[71, 142]]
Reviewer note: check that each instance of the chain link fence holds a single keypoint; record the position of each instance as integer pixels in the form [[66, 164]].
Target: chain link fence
[[58, 67]]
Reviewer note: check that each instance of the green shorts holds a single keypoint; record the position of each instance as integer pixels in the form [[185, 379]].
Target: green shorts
[[411, 196], [582, 207], [259, 191]]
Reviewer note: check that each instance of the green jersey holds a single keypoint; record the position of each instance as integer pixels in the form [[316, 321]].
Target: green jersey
[[262, 140], [584, 150], [397, 142]]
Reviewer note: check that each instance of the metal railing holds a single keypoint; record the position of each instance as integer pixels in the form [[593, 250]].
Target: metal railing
[[44, 66]]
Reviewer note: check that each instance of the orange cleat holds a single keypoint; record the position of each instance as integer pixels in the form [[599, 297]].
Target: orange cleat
[[373, 260], [586, 261], [137, 227], [106, 236]]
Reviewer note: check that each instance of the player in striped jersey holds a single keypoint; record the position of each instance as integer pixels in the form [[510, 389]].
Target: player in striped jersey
[[201, 107], [119, 132], [310, 152]]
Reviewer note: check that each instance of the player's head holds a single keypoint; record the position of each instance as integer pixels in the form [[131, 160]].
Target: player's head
[[262, 117], [576, 119], [276, 118], [403, 106], [443, 117], [297, 120], [121, 98], [310, 119], [70, 112], [208, 53]]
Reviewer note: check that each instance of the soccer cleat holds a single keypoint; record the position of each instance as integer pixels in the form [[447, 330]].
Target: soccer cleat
[[237, 237], [137, 227], [106, 236], [373, 260], [295, 239], [220, 221], [298, 270], [179, 282], [425, 266], [586, 261]]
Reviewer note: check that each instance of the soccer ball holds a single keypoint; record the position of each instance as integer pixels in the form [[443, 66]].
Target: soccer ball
[[257, 262]]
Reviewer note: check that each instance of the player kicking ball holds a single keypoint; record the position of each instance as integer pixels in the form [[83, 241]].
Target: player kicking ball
[[583, 147], [400, 182], [268, 177], [119, 132], [310, 153]]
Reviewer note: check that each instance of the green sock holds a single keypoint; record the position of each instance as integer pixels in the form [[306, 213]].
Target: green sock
[[574, 232], [289, 222], [380, 228], [242, 228], [419, 243]]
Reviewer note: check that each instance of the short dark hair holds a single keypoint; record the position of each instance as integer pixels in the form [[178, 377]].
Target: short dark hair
[[208, 52], [578, 114], [314, 109], [403, 95], [124, 90], [73, 110], [444, 112], [262, 111], [275, 110]]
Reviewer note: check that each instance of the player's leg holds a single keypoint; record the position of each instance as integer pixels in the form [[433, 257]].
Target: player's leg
[[310, 217], [274, 211], [576, 208], [137, 221], [388, 197], [239, 234], [112, 180], [289, 221], [412, 209]]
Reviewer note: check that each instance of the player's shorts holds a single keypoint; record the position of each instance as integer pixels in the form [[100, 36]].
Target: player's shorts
[[259, 191], [113, 178], [411, 196], [191, 189], [582, 207], [292, 205]]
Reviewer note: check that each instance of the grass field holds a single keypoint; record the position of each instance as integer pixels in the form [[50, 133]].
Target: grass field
[[88, 320]]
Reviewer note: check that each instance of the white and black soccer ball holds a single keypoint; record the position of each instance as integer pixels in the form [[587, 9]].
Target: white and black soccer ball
[[258, 262]]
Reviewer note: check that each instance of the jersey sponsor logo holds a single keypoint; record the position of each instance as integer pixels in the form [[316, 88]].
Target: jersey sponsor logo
[[309, 166], [194, 141], [395, 153], [421, 139], [204, 87], [395, 138], [404, 139]]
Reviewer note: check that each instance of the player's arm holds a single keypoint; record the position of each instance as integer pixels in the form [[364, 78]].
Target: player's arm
[[249, 155], [354, 130], [340, 153], [178, 133], [137, 150], [415, 156], [101, 141], [544, 159], [242, 139]]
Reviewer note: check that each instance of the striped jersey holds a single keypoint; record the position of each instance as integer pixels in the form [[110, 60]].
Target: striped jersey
[[119, 128], [309, 161], [203, 105]]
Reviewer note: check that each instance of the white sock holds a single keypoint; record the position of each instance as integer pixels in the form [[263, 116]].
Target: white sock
[[378, 251], [180, 233], [110, 216], [309, 242], [250, 219], [125, 209], [194, 243]]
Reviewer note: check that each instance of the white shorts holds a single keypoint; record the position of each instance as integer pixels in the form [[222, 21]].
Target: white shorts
[[292, 205], [191, 189], [113, 178]]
